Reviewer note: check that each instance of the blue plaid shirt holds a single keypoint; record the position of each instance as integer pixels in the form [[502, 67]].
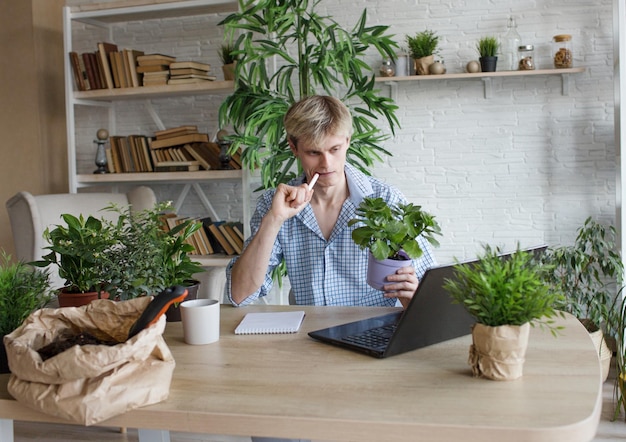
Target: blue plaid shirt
[[329, 272]]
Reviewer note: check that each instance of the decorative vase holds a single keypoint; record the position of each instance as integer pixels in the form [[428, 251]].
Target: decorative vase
[[422, 64], [173, 311], [229, 71], [488, 64], [378, 270], [67, 299], [498, 353]]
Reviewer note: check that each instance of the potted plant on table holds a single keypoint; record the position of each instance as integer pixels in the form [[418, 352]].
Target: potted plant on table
[[487, 48], [423, 47], [589, 274], [390, 233], [23, 289], [149, 256], [80, 251], [506, 295]]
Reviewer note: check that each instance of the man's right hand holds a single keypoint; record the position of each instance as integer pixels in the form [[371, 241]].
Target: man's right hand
[[288, 201]]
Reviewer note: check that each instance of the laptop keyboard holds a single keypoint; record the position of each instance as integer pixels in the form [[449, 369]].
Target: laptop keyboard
[[376, 338]]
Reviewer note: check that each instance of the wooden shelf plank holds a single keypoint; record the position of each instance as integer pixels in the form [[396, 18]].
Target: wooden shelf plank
[[156, 177], [168, 90], [123, 11], [465, 76]]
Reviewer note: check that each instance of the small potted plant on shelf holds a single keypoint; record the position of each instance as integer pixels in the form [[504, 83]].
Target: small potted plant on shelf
[[150, 256], [589, 274], [423, 47], [23, 289], [390, 233], [229, 61], [506, 295], [80, 251], [487, 48]]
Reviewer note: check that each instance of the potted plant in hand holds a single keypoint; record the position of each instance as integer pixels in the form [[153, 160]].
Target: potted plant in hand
[[589, 273], [391, 235], [423, 47], [229, 61], [506, 295], [23, 289], [80, 250], [488, 50]]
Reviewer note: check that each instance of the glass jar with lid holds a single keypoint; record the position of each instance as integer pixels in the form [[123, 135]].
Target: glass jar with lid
[[563, 57], [526, 58], [387, 68]]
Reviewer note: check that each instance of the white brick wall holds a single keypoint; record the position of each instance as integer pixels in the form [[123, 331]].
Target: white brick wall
[[527, 164]]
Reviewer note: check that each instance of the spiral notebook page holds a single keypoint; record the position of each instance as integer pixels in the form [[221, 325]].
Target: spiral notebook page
[[270, 322]]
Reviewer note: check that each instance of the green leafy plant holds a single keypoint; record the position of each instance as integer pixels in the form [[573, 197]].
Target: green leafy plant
[[226, 54], [388, 230], [589, 273], [488, 46], [422, 44], [313, 54], [508, 290], [147, 257], [23, 289], [80, 251]]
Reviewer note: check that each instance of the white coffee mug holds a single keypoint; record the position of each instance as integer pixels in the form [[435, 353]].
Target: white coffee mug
[[201, 321]]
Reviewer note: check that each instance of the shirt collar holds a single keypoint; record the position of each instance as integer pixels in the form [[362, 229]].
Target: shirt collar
[[358, 184]]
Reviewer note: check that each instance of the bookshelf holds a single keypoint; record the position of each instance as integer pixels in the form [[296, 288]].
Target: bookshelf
[[112, 17]]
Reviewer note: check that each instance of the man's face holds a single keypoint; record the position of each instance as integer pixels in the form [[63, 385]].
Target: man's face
[[327, 159]]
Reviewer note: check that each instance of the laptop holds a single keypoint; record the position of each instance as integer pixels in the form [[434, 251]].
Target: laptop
[[430, 318]]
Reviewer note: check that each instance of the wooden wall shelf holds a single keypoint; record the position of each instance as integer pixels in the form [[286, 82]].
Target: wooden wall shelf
[[486, 77]]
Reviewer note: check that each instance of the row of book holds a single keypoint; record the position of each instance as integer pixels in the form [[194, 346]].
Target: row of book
[[109, 68], [215, 237], [177, 149]]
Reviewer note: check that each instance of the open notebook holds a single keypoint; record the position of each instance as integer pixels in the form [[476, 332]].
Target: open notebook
[[270, 322]]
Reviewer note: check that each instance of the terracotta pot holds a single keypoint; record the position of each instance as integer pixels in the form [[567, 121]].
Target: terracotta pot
[[67, 299], [377, 270], [422, 64], [499, 353], [173, 311]]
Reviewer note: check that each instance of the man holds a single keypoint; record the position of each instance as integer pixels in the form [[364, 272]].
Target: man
[[308, 227]]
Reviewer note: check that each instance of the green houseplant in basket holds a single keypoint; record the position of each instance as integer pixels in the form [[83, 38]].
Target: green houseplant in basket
[[390, 233], [422, 47], [506, 295]]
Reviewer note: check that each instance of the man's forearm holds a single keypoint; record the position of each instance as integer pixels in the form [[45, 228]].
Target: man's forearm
[[248, 272]]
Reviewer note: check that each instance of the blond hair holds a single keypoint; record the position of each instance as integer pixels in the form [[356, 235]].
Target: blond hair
[[314, 118]]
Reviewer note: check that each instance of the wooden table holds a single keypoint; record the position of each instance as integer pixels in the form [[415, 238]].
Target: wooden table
[[292, 386]]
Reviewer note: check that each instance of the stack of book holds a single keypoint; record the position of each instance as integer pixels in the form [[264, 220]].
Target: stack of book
[[169, 152], [155, 68], [182, 72]]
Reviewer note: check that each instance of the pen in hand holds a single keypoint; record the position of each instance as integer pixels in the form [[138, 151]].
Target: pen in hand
[[313, 180]]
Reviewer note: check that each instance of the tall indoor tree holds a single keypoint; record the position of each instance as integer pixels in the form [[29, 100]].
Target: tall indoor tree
[[287, 51]]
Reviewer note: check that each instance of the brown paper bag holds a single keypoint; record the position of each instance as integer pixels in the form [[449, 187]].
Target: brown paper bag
[[90, 383], [498, 353]]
